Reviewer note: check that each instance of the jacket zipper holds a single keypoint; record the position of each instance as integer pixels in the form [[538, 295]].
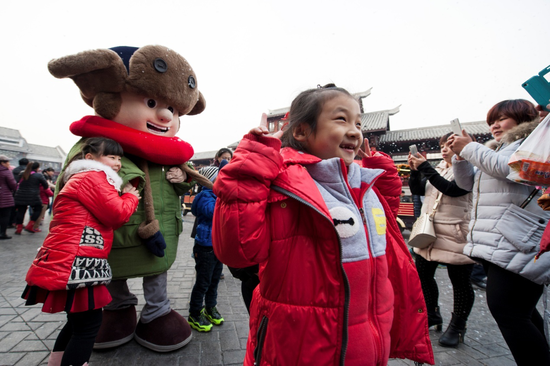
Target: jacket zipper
[[344, 276], [260, 338], [374, 327], [475, 212]]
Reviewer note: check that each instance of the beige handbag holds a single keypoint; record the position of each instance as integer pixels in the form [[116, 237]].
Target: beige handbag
[[423, 232]]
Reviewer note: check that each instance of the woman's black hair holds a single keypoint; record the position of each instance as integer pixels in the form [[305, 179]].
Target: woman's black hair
[[31, 166], [220, 152], [520, 110], [444, 138], [305, 109]]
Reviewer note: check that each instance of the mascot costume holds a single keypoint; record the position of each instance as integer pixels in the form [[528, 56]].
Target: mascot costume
[[138, 95]]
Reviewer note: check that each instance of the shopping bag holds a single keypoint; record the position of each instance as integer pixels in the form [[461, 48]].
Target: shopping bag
[[422, 232], [530, 164]]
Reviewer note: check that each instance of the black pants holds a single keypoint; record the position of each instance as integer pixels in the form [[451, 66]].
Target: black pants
[[478, 273], [512, 300], [21, 210], [4, 219], [209, 270], [247, 290], [78, 336], [463, 293]]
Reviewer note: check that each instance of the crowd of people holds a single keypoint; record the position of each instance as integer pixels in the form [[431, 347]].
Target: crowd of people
[[312, 235], [21, 188]]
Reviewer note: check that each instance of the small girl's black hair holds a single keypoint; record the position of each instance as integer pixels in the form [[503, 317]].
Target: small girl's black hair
[[306, 108], [97, 146]]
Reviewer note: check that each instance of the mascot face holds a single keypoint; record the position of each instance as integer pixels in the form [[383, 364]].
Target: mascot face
[[148, 115]]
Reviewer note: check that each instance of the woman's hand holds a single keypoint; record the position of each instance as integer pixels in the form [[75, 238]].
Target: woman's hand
[[457, 143], [263, 130], [415, 160]]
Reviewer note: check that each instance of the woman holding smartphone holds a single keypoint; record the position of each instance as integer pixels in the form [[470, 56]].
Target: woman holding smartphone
[[506, 228], [451, 226]]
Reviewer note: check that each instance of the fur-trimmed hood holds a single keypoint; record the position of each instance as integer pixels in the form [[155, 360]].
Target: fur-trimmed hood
[[86, 165], [519, 132]]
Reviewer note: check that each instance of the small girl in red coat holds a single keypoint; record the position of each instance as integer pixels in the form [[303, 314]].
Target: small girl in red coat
[[70, 271], [337, 283]]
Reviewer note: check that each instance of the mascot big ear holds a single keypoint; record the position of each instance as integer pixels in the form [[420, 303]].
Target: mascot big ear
[[199, 106], [107, 105], [93, 72]]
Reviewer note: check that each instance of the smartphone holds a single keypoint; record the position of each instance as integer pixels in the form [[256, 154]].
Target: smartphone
[[413, 149], [456, 127], [539, 88]]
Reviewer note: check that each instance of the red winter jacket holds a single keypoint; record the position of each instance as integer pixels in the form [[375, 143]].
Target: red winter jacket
[[312, 306], [86, 212], [45, 194]]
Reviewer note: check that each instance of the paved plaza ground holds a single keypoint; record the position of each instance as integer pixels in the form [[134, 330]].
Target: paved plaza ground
[[27, 335]]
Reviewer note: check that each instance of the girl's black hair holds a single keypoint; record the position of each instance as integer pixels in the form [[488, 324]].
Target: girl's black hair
[[97, 146], [306, 108]]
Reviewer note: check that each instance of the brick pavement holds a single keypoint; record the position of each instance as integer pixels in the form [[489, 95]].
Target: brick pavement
[[27, 335]]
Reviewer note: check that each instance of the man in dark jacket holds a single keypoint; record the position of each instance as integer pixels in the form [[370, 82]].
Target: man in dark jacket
[[16, 173], [22, 165]]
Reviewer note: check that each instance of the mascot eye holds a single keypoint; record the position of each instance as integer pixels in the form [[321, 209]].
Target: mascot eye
[[171, 109], [151, 103]]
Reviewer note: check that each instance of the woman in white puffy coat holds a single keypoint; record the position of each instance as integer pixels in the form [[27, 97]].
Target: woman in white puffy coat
[[505, 229]]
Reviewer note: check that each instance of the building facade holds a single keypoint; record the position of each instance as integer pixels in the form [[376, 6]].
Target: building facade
[[14, 146]]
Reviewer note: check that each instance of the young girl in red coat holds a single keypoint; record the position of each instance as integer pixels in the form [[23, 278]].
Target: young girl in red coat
[[70, 271], [337, 283]]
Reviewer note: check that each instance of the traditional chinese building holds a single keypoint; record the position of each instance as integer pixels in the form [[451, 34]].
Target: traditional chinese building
[[14, 146], [376, 127]]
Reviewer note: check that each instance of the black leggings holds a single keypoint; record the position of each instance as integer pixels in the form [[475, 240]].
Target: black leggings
[[78, 336], [21, 210], [4, 219], [512, 300], [459, 275]]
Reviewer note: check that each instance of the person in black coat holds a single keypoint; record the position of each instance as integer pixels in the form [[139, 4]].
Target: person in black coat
[[28, 194], [16, 173]]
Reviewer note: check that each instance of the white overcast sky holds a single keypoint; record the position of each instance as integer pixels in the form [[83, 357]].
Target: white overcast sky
[[438, 59]]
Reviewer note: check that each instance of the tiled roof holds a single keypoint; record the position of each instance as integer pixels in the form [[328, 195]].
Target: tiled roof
[[40, 150], [10, 133], [433, 132], [204, 155], [375, 121]]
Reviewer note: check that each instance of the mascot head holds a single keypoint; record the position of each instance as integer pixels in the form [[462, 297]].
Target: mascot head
[[138, 95], [145, 88]]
